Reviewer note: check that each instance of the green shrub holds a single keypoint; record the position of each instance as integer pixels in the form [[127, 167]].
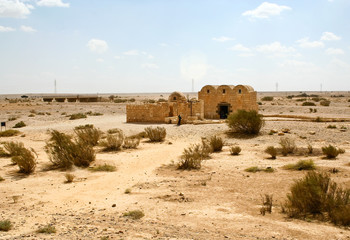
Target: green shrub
[[5, 225], [113, 142], [216, 143], [19, 125], [25, 159], [330, 151], [301, 165], [267, 98], [77, 116], [272, 151], [103, 168], [235, 150], [136, 214], [89, 135], [308, 104], [156, 134], [69, 177], [247, 122], [193, 156], [131, 142], [48, 229], [288, 145], [9, 133], [325, 103], [317, 195]]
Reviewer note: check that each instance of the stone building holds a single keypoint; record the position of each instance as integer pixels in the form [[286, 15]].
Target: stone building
[[214, 102]]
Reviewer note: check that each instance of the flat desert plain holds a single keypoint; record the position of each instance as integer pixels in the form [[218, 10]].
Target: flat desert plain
[[219, 201]]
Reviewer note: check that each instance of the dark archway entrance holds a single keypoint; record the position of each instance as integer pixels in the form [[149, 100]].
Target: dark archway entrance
[[224, 110]]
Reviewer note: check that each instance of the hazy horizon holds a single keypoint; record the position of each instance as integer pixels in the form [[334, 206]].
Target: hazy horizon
[[160, 46]]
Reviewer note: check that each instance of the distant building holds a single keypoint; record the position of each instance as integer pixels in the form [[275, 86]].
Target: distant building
[[214, 102]]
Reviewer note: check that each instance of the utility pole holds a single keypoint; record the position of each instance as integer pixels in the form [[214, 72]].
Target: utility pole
[[192, 85], [321, 87], [55, 87], [276, 86]]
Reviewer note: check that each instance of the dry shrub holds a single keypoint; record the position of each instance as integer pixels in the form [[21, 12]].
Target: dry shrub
[[48, 229], [5, 225], [316, 195], [77, 116], [88, 134], [288, 145], [308, 104], [131, 142], [193, 156], [113, 142], [26, 160], [114, 130], [19, 125], [64, 152], [247, 122], [272, 151], [266, 204], [156, 134], [255, 169], [267, 98], [235, 150], [330, 151], [301, 165], [104, 168], [69, 177], [9, 133], [135, 215], [325, 103], [216, 143], [13, 148]]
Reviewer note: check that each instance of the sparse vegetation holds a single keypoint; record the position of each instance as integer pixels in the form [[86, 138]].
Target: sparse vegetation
[[216, 143], [272, 151], [247, 122], [288, 145], [5, 225], [330, 151], [267, 98], [127, 191], [19, 125], [9, 133], [25, 159], [301, 165], [135, 215], [90, 113], [13, 148], [69, 177], [235, 150], [325, 103], [113, 142], [77, 116], [255, 169], [3, 153], [193, 156], [48, 229], [317, 196], [88, 134], [332, 126], [308, 104], [156, 134], [12, 118], [103, 168], [131, 142], [266, 204]]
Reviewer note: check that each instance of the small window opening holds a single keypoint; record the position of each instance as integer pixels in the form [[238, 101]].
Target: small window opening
[[239, 91], [208, 91], [223, 90], [174, 98]]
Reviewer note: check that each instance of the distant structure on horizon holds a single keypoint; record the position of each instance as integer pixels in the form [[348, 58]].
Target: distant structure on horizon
[[214, 102]]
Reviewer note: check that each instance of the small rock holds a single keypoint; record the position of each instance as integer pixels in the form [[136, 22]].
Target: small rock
[[280, 134], [114, 205], [312, 132]]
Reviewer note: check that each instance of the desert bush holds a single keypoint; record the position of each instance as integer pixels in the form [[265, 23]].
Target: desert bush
[[69, 177], [288, 145], [301, 165], [325, 103], [5, 225], [3, 153], [267, 98], [90, 113], [310, 149], [332, 126], [193, 156], [317, 195], [9, 133], [247, 122], [77, 116], [19, 125], [272, 151], [156, 134], [308, 104], [64, 152], [12, 118], [48, 229], [216, 143], [89, 135], [127, 191], [330, 151], [235, 150], [25, 159], [31, 115], [114, 130], [255, 169], [131, 142], [266, 204], [103, 168], [136, 214], [113, 142], [13, 148]]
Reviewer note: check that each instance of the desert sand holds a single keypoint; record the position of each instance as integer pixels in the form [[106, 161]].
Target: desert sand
[[219, 201]]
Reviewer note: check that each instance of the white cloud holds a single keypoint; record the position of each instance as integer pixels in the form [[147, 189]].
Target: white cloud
[[52, 3], [14, 9], [164, 45], [275, 48], [305, 43], [150, 66], [118, 57], [328, 36], [27, 29], [294, 63], [266, 10], [222, 39], [97, 45], [334, 51], [240, 48], [133, 52], [6, 29], [100, 60]]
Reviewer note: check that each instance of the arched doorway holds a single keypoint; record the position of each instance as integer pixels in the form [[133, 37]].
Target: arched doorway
[[223, 109]]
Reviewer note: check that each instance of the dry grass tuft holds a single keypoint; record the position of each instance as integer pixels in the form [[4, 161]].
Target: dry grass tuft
[[235, 150], [9, 133], [288, 145], [255, 169], [88, 134], [135, 215], [104, 168], [301, 165], [156, 134], [193, 156], [25, 159], [216, 143], [113, 142], [48, 229], [272, 151], [77, 116], [5, 225], [131, 142], [69, 177], [330, 151]]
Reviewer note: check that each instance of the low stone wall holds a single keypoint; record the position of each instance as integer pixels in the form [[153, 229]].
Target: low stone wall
[[155, 113]]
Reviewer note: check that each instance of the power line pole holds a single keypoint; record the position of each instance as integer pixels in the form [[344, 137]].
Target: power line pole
[[276, 87], [192, 85], [55, 87]]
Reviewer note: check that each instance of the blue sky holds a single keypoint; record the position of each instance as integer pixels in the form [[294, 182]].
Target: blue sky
[[104, 46]]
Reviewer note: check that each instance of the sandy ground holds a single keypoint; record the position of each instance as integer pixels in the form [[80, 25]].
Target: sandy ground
[[219, 201]]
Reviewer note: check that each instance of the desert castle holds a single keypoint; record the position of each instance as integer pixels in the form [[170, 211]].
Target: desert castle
[[214, 102]]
